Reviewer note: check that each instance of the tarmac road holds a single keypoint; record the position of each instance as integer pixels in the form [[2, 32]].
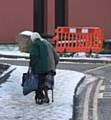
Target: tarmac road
[[81, 67], [94, 102]]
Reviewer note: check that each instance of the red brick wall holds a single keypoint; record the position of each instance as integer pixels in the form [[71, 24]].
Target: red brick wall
[[50, 17], [15, 16], [91, 13]]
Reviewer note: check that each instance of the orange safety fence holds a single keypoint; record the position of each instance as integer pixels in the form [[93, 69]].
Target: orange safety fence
[[78, 39]]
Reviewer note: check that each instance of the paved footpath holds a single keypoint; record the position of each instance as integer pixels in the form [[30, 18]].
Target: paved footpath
[[15, 106]]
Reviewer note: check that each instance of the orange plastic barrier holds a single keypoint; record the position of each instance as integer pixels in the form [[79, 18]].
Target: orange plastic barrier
[[78, 39]]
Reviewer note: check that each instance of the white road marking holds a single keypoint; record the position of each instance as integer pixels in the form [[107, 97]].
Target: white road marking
[[102, 88], [86, 102], [95, 100], [97, 68], [100, 95]]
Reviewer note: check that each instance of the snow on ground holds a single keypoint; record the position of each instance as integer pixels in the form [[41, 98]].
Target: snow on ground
[[89, 58], [81, 55], [28, 33], [14, 105], [14, 51]]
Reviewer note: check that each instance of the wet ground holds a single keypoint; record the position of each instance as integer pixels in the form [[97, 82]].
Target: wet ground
[[15, 106]]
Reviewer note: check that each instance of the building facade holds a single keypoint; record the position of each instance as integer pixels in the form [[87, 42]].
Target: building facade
[[15, 16], [45, 15]]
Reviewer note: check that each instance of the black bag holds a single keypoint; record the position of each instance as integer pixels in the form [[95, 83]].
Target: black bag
[[29, 82], [49, 81]]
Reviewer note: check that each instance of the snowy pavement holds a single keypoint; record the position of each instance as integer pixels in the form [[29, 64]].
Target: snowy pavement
[[15, 106], [13, 50]]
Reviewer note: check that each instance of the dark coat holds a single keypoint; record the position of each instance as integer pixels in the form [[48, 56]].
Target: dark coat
[[39, 57], [53, 57]]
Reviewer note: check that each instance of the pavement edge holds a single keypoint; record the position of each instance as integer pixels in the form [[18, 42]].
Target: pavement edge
[[6, 73], [74, 96]]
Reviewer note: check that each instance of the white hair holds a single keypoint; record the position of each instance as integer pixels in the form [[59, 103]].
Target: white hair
[[35, 35]]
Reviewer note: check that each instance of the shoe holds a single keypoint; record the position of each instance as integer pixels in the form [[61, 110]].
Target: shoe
[[46, 100], [39, 101]]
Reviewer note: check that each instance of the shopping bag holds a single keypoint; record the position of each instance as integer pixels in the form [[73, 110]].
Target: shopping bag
[[29, 82]]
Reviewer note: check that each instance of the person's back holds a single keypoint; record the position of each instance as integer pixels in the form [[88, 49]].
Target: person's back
[[39, 57], [53, 57]]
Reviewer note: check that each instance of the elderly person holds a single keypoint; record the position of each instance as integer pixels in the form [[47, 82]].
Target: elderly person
[[43, 60]]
